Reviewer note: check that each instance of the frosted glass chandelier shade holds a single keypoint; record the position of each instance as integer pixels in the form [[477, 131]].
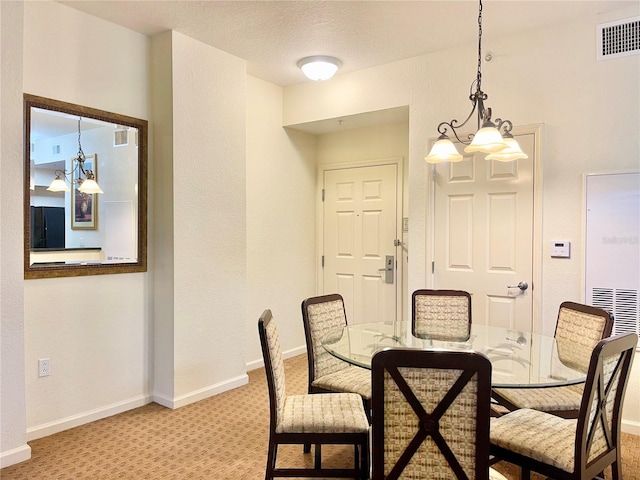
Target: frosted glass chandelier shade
[[443, 151], [512, 152], [486, 140], [90, 186], [58, 185]]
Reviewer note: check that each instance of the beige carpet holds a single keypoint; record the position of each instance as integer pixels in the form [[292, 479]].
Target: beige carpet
[[220, 438]]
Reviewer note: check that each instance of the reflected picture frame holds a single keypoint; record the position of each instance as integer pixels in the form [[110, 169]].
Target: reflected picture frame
[[84, 206]]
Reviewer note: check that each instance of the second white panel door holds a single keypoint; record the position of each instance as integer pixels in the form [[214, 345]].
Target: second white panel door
[[359, 230], [483, 235]]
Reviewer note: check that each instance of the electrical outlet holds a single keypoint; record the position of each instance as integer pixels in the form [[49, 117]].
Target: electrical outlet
[[44, 367]]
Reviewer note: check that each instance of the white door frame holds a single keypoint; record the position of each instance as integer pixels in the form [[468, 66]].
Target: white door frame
[[398, 162], [536, 288]]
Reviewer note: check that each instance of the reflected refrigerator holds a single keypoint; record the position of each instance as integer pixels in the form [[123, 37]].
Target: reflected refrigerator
[[47, 227]]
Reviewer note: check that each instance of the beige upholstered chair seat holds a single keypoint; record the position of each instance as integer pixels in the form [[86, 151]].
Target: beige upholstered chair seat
[[544, 399], [351, 379], [493, 475], [538, 435], [324, 413]]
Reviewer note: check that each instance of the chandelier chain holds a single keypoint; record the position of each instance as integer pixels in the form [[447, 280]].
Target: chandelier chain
[[479, 85], [80, 152]]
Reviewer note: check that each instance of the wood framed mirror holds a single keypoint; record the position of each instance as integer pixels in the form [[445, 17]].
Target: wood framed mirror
[[72, 232]]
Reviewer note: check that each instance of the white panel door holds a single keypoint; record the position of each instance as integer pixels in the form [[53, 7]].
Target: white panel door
[[359, 230], [483, 235]]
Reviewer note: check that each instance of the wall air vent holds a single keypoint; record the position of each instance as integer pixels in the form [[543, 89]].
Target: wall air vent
[[624, 305], [619, 38]]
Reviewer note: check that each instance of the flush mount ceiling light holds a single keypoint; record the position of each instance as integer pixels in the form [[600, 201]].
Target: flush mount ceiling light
[[319, 67], [488, 139], [87, 184]]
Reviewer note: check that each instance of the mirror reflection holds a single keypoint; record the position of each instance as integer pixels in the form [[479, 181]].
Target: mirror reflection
[[86, 175]]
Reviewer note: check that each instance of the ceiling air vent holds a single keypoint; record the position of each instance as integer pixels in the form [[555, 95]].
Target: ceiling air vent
[[619, 38], [120, 138]]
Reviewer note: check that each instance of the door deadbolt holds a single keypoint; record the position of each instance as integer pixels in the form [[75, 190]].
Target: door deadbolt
[[388, 269]]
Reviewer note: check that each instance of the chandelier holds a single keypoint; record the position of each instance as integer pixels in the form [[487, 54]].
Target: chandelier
[[488, 138], [87, 184]]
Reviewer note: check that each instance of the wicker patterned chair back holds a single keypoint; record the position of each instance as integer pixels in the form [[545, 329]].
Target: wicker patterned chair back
[[430, 415], [574, 449], [274, 366], [320, 316], [441, 314], [578, 330], [332, 418]]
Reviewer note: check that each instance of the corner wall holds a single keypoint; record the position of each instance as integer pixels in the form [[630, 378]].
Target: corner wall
[[13, 420], [281, 175], [209, 220]]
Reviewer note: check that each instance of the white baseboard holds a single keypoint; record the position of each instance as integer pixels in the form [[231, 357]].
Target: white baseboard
[[294, 352], [629, 426], [202, 393], [17, 455], [46, 429]]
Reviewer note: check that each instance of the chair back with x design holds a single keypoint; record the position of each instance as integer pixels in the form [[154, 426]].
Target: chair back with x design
[[570, 449], [430, 414], [598, 431]]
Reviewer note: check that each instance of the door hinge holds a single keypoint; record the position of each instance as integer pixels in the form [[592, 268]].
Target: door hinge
[[323, 194], [322, 261], [433, 267]]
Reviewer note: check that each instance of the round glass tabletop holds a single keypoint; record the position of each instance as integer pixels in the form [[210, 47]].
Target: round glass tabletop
[[519, 359]]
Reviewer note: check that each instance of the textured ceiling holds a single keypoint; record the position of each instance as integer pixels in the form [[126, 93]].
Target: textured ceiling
[[273, 35]]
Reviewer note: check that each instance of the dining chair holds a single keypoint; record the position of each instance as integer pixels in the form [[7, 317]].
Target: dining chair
[[333, 418], [327, 373], [430, 415], [441, 314], [581, 448], [578, 329]]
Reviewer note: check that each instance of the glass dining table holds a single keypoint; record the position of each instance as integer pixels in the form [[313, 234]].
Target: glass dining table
[[519, 359]]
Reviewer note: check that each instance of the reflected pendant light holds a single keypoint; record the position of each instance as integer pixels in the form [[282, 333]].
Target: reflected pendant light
[[87, 184]]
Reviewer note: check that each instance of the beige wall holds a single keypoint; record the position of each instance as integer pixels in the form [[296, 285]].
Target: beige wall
[[209, 219], [94, 329], [13, 423], [280, 220]]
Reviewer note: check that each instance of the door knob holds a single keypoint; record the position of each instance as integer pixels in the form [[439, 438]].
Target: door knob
[[521, 285]]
